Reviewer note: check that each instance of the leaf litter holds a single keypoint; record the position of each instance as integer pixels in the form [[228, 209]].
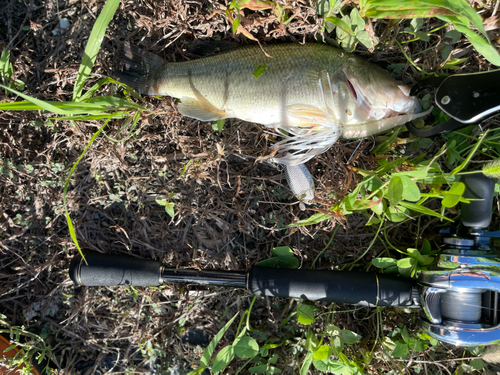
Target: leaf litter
[[229, 212]]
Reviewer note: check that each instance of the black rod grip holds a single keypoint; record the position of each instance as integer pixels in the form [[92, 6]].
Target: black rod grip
[[348, 287], [109, 270], [477, 214]]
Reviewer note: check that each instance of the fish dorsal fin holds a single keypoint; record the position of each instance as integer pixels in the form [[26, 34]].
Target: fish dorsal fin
[[200, 109], [203, 48]]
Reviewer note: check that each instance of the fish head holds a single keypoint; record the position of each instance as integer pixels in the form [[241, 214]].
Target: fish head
[[375, 94]]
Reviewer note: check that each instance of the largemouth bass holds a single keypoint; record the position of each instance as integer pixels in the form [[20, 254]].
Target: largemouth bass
[[312, 94]]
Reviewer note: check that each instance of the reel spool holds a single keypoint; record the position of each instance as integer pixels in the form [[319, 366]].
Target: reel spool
[[460, 299]]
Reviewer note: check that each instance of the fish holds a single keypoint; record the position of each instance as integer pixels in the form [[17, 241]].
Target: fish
[[311, 94]]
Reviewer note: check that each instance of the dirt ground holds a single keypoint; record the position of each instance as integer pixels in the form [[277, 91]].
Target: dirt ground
[[229, 211]]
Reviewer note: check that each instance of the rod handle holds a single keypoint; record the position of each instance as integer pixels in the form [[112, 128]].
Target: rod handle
[[114, 270], [348, 287]]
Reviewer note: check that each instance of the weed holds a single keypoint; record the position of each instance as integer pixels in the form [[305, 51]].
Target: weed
[[6, 72], [169, 206], [449, 10], [31, 348]]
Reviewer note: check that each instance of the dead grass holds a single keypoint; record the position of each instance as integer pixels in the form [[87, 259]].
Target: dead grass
[[225, 204]]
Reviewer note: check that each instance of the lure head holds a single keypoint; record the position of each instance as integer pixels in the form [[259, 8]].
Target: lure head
[[375, 94]]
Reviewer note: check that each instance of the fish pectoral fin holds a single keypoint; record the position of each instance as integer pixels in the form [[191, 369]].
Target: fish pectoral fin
[[305, 116], [200, 109]]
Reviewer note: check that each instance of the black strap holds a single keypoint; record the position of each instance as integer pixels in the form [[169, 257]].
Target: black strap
[[445, 127]]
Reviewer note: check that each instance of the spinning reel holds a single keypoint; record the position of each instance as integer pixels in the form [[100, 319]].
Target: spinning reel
[[459, 299]]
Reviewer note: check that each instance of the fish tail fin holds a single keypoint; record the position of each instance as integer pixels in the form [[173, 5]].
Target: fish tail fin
[[140, 70]]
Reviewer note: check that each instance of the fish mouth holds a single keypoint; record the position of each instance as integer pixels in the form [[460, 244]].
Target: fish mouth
[[376, 101]]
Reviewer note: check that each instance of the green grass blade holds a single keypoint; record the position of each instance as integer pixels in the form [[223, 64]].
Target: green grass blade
[[66, 184], [341, 24], [421, 9], [481, 45], [98, 116], [471, 154], [41, 104], [93, 45], [205, 359], [422, 210], [5, 66], [113, 102]]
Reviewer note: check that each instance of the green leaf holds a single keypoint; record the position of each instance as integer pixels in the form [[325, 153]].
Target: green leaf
[[406, 265], [349, 337], [312, 341], [426, 247], [223, 358], [314, 219], [397, 214], [282, 256], [304, 370], [94, 45], [378, 208], [452, 196], [270, 263], [169, 208], [341, 24], [246, 347], [364, 38], [218, 125], [395, 192], [383, 262], [305, 314], [372, 183], [406, 262], [211, 347], [416, 173], [273, 359], [282, 251], [288, 262], [401, 349], [417, 345], [259, 70], [415, 254], [333, 366], [405, 335], [324, 351], [477, 364], [388, 344], [411, 192]]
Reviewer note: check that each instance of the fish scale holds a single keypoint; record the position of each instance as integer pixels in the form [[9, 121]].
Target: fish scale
[[226, 80]]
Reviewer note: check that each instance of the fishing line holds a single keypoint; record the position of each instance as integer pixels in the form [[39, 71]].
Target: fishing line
[[354, 152]]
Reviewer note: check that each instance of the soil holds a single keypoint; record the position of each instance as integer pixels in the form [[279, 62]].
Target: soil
[[230, 211]]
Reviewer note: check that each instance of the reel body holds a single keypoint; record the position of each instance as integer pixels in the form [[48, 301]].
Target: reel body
[[460, 298]]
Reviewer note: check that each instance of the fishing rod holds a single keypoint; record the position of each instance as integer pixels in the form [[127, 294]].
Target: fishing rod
[[458, 299]]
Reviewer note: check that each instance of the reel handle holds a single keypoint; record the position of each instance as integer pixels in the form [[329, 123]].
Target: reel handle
[[477, 214]]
